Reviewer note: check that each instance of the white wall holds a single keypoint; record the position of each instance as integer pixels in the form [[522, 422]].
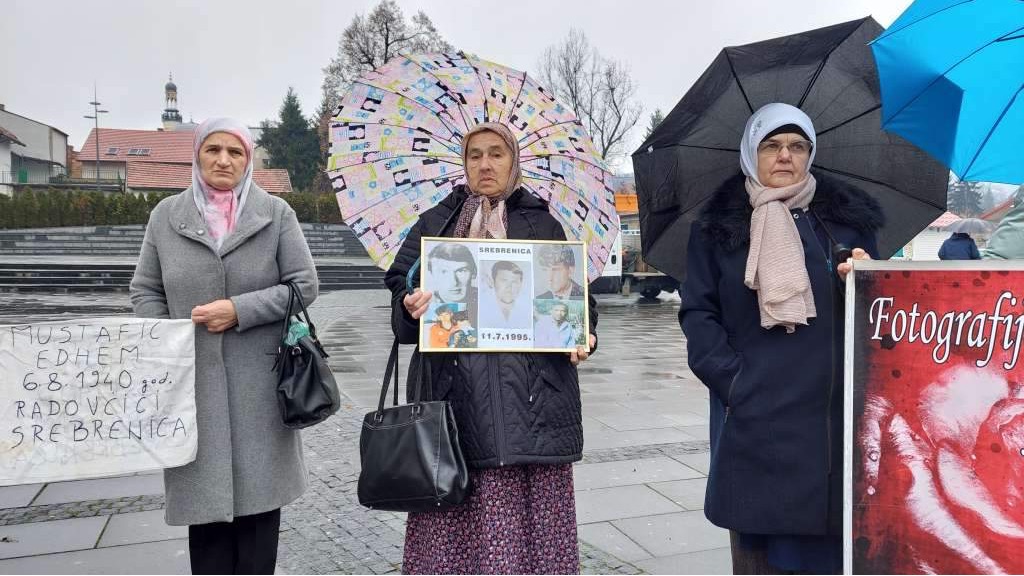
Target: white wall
[[926, 244], [106, 168], [5, 166], [5, 156], [41, 141]]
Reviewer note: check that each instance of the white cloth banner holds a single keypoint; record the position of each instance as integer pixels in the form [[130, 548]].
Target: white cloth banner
[[95, 397]]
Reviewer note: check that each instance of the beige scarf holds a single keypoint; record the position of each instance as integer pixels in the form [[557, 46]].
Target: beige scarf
[[775, 264]]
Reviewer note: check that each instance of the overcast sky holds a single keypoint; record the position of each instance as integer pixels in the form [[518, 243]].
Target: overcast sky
[[235, 58]]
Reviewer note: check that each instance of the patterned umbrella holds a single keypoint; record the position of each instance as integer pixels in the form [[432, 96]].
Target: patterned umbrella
[[396, 141]]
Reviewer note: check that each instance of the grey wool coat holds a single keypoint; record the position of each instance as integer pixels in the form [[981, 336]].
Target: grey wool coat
[[247, 462]]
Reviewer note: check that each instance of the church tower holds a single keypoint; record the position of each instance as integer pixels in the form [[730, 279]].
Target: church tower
[[171, 117]]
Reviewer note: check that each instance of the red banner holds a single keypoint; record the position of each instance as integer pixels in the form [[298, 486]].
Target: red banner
[[935, 419]]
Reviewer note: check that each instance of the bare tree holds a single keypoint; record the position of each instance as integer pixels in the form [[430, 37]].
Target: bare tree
[[367, 43], [371, 40], [600, 91]]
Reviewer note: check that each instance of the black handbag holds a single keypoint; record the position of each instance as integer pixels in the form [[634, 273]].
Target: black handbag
[[410, 454], [306, 391]]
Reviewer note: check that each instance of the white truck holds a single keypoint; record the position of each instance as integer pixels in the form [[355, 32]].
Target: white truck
[[626, 272]]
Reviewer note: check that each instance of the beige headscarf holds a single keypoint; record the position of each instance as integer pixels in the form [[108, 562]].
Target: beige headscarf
[[776, 267], [483, 217]]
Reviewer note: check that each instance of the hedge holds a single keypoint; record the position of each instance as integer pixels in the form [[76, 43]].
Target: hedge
[[52, 208]]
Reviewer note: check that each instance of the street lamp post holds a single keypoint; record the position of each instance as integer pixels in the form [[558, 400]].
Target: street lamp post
[[96, 116]]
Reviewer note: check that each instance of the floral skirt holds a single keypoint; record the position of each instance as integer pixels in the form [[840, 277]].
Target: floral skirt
[[517, 520]]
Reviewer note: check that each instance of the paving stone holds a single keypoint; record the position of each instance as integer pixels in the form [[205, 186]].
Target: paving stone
[[627, 472], [139, 527], [167, 557], [103, 488], [670, 534], [628, 420], [717, 561], [49, 537], [606, 537], [606, 504], [687, 493], [701, 462], [619, 439], [18, 496]]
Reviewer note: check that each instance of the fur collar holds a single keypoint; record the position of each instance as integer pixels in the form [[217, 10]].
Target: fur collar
[[725, 219]]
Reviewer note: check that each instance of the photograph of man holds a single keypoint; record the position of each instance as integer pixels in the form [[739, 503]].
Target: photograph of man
[[443, 327], [452, 272], [504, 305], [452, 277], [553, 329], [558, 268]]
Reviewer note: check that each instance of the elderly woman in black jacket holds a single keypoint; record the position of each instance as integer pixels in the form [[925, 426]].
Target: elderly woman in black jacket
[[519, 415], [763, 316]]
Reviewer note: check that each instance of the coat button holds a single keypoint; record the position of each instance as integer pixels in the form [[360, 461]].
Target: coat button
[[182, 226], [796, 216], [200, 232]]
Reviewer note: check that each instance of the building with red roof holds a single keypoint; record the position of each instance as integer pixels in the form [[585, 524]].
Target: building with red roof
[[158, 160]]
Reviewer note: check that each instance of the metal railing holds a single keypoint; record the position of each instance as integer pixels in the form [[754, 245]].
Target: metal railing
[[58, 176]]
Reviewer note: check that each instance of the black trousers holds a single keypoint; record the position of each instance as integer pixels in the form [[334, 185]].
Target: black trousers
[[248, 545]]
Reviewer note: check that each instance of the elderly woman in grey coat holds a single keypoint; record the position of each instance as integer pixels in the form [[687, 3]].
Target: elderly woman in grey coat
[[221, 253]]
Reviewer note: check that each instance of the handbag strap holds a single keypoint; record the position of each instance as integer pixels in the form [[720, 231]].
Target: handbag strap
[[287, 317], [390, 372], [297, 296]]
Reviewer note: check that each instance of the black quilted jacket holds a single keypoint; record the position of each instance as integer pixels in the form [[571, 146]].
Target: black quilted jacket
[[511, 408]]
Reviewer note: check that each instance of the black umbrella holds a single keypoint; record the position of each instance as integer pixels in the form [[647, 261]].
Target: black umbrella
[[830, 74]]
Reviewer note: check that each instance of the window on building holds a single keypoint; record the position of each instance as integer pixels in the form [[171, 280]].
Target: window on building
[[112, 151], [139, 151]]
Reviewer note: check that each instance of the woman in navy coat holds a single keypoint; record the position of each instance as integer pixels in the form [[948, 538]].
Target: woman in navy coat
[[763, 317]]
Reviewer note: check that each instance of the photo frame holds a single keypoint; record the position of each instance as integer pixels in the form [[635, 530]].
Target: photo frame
[[504, 295]]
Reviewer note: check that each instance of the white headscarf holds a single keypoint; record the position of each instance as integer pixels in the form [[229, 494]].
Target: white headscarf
[[761, 123], [201, 189]]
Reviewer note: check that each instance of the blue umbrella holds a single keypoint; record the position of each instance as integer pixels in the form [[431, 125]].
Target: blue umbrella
[[952, 79]]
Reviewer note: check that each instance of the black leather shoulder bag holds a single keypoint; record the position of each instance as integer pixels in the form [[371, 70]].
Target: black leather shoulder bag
[[306, 390], [411, 459]]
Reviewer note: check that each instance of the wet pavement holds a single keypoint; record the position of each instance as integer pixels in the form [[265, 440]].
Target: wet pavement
[[639, 488]]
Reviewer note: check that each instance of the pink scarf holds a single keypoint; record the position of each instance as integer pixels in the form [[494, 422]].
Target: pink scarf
[[775, 263], [220, 212]]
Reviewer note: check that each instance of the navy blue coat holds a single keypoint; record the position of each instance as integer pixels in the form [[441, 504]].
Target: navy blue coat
[[959, 246], [776, 398], [511, 408]]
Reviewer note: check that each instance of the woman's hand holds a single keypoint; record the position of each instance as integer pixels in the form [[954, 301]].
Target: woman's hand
[[218, 315], [581, 352], [844, 268], [416, 303]]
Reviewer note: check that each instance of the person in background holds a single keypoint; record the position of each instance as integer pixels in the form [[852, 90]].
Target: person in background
[[1007, 242], [959, 246]]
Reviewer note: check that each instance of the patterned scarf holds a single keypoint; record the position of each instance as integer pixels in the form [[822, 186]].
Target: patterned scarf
[[483, 217]]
